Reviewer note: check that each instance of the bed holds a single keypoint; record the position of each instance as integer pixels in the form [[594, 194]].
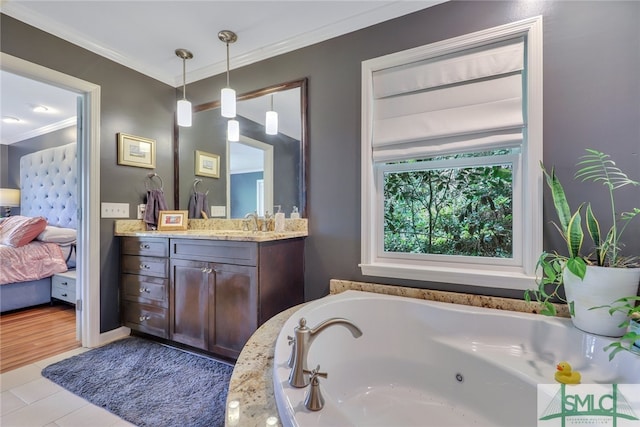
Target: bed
[[48, 193]]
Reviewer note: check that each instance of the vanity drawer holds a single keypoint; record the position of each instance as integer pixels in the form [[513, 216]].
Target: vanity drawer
[[220, 251], [146, 318], [145, 289], [145, 246], [148, 266]]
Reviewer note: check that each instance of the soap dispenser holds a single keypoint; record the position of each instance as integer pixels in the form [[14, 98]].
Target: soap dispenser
[[279, 220], [295, 214]]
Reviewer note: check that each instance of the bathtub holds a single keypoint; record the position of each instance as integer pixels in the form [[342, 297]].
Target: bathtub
[[428, 363]]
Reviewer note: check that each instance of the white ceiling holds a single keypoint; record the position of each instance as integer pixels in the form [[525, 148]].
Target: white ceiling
[[144, 34]]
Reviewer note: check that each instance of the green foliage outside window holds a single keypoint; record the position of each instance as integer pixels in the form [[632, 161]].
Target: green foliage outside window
[[455, 211]]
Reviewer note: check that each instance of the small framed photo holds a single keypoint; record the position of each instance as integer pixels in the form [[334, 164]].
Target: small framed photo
[[207, 164], [136, 151], [173, 220]]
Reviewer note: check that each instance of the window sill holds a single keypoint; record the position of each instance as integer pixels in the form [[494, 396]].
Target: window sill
[[463, 276]]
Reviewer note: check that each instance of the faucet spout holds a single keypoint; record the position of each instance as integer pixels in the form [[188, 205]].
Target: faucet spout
[[303, 338], [355, 331]]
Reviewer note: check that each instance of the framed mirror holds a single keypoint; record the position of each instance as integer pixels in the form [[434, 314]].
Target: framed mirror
[[255, 174]]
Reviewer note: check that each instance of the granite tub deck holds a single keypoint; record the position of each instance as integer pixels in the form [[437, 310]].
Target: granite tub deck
[[252, 379]]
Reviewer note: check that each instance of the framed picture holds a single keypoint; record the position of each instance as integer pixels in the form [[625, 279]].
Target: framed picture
[[207, 164], [173, 220], [136, 151]]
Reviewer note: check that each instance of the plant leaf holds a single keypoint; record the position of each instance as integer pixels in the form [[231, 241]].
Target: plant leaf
[[594, 231], [559, 198], [577, 266], [575, 235]]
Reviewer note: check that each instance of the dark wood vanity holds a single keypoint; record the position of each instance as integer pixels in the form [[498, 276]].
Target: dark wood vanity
[[205, 293]]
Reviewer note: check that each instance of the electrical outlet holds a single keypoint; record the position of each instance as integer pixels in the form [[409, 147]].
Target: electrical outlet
[[141, 209], [218, 211], [114, 210]]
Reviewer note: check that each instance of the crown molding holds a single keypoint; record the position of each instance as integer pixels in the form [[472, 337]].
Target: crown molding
[[40, 131]]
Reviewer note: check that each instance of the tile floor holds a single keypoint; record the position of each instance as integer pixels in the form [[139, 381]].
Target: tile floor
[[30, 400]]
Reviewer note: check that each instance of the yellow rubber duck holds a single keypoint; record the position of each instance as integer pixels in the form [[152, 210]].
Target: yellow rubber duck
[[565, 375]]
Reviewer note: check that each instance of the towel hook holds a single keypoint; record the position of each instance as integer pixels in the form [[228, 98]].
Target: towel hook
[[150, 176]]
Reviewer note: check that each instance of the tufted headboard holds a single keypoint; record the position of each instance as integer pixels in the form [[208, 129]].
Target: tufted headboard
[[49, 185]]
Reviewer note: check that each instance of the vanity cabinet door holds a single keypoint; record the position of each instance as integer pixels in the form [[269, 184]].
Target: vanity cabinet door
[[233, 310], [189, 302]]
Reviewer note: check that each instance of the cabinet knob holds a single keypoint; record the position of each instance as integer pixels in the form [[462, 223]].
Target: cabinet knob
[[144, 317], [145, 290], [64, 283], [144, 266], [144, 246], [207, 270]]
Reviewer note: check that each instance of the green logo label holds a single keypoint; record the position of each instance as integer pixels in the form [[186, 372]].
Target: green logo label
[[588, 404]]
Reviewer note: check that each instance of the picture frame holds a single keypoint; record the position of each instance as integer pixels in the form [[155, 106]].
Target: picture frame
[[136, 151], [173, 220], [207, 164]]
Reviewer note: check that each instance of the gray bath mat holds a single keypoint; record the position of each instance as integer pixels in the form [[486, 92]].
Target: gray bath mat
[[147, 384]]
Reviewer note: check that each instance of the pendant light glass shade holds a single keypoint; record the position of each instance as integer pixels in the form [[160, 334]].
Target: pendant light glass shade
[[183, 109], [233, 130], [271, 125], [184, 113], [228, 102]]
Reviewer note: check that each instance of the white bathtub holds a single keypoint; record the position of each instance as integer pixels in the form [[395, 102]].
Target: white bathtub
[[428, 363]]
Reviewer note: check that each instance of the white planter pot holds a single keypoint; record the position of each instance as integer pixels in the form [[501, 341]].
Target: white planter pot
[[601, 286]]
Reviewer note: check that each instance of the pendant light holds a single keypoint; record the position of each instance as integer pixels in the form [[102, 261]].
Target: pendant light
[[271, 121], [233, 130], [228, 95], [184, 106]]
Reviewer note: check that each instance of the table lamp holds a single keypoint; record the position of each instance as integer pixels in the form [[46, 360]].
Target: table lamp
[[9, 197]]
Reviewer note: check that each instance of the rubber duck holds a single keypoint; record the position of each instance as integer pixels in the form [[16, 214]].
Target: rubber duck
[[566, 375]]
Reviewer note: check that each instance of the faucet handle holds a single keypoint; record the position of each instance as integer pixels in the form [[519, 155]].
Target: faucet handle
[[316, 373], [292, 356], [314, 401]]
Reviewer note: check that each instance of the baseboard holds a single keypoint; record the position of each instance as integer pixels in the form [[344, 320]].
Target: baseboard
[[114, 334]]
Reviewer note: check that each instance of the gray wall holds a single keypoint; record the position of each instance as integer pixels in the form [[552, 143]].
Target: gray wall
[[591, 93], [591, 100], [130, 103]]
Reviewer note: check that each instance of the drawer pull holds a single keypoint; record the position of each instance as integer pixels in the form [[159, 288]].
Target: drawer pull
[[144, 246], [65, 295], [144, 317], [145, 290], [64, 283], [145, 267]]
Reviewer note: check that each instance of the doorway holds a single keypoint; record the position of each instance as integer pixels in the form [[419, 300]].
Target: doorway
[[88, 140]]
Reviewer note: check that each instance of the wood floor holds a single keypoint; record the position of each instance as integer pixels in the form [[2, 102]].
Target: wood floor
[[33, 334]]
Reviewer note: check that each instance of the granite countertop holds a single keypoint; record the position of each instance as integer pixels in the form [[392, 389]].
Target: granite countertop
[[252, 379], [214, 229]]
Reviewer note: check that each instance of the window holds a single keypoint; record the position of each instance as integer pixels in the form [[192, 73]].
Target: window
[[451, 145]]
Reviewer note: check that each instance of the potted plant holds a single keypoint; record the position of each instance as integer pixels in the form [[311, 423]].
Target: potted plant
[[630, 309], [598, 277]]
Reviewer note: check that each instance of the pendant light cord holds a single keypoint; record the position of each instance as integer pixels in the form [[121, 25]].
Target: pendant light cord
[[184, 78], [228, 64]]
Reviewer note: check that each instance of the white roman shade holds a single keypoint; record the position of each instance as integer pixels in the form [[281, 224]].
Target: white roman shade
[[450, 103]]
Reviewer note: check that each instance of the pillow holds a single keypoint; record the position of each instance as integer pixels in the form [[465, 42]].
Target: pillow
[[19, 230], [58, 235]]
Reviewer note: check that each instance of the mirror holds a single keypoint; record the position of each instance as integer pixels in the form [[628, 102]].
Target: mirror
[[256, 173]]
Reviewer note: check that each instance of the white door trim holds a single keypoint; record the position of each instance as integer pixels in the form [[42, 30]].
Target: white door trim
[[89, 179]]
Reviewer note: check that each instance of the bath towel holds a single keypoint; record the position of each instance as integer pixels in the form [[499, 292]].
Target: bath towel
[[155, 204], [197, 204]]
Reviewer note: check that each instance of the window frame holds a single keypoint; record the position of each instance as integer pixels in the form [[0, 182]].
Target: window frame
[[518, 274]]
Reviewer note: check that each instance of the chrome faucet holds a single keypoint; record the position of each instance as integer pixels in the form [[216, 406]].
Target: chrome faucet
[[303, 337], [254, 217]]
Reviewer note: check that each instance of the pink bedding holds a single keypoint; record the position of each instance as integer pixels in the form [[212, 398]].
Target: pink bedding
[[33, 261]]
